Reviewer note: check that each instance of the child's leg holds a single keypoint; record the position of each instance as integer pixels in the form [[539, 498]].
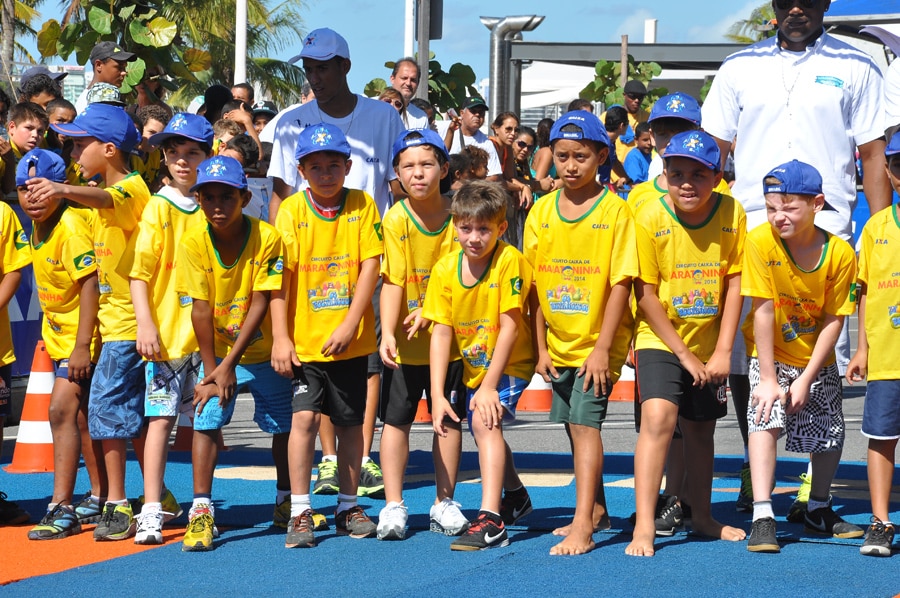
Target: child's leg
[[156, 452], [601, 516], [350, 453], [91, 451], [65, 401], [394, 458], [699, 454], [492, 454], [204, 457], [302, 448], [587, 451], [446, 452], [824, 466], [280, 459], [880, 465], [114, 459], [763, 448], [373, 392], [675, 470]]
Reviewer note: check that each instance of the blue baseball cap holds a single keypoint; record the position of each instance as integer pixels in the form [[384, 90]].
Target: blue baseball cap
[[421, 137], [221, 169], [797, 178], [676, 105], [696, 145], [591, 128], [187, 125], [323, 137], [108, 123], [47, 165], [893, 147]]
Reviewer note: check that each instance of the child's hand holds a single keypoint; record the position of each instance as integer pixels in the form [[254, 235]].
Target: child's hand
[[240, 116], [858, 367], [44, 189], [596, 371], [388, 350], [441, 408], [798, 396], [339, 340], [225, 381], [543, 367], [148, 344], [202, 395], [718, 367], [763, 398], [414, 322], [486, 403], [80, 364], [284, 357], [6, 151], [696, 369]]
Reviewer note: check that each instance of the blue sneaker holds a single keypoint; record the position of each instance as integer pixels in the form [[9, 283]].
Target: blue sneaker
[[87, 510], [60, 522]]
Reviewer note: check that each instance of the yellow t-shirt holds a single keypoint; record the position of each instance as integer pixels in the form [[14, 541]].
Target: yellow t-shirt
[[147, 165], [410, 252], [160, 231], [878, 270], [641, 192], [114, 239], [324, 257], [688, 265], [576, 263], [15, 254], [474, 312], [201, 275], [17, 153], [801, 299], [65, 256]]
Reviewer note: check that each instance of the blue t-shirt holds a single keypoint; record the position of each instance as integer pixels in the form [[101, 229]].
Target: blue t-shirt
[[637, 165]]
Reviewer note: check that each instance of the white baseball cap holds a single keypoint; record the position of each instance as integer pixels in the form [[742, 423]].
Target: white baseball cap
[[323, 44]]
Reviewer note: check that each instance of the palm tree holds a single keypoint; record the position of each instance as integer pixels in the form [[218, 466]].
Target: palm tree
[[16, 18], [757, 27]]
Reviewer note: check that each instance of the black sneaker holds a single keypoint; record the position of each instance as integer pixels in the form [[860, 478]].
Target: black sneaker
[[514, 506], [669, 515], [371, 480], [825, 521], [327, 478], [11, 513], [354, 523], [484, 532], [300, 531], [878, 539], [762, 536]]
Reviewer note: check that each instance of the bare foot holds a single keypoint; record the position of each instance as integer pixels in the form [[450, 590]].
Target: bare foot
[[574, 543], [641, 544], [713, 529], [601, 522]]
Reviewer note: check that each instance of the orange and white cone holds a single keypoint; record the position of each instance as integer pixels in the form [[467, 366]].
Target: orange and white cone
[[623, 390], [34, 445], [422, 414], [537, 396]]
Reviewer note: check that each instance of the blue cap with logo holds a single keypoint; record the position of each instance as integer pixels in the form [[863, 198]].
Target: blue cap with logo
[[47, 165], [108, 123], [591, 127], [676, 105], [794, 177], [696, 145], [416, 137], [894, 146], [187, 125], [221, 169], [323, 137]]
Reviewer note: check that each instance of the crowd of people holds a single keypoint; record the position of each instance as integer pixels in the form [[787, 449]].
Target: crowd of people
[[341, 257]]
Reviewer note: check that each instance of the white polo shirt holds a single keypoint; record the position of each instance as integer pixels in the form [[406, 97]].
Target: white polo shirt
[[815, 106], [414, 118], [892, 95], [479, 139], [371, 130]]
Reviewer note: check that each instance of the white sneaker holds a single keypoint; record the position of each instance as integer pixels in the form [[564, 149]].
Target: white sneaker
[[212, 511], [392, 522], [149, 527], [447, 519]]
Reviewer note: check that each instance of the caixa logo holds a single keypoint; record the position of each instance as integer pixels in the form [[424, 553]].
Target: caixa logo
[[373, 160]]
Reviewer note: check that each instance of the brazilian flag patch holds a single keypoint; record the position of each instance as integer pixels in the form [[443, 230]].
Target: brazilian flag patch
[[378, 231], [515, 284], [85, 260], [21, 240], [854, 293], [276, 266]]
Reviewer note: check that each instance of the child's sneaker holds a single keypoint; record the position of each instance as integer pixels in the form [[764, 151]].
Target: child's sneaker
[[826, 521], [282, 515], [797, 512], [744, 502], [170, 506], [762, 536], [327, 478], [201, 529], [354, 523], [371, 481], [447, 518], [484, 532], [60, 522], [392, 522], [514, 506], [116, 523], [88, 510], [149, 527], [300, 531], [879, 538], [11, 513], [669, 515]]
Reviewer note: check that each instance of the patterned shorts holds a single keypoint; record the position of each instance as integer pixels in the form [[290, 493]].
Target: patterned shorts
[[819, 427]]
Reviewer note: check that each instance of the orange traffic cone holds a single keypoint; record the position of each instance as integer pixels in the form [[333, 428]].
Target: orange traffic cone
[[34, 445], [422, 414], [184, 435], [624, 388], [538, 396]]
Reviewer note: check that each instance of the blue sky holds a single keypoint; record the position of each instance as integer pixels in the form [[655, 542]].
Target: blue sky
[[374, 30]]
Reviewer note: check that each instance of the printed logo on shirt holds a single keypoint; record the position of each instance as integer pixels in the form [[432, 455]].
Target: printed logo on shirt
[[797, 325], [515, 284], [378, 231], [854, 295], [828, 80], [21, 240], [276, 266], [84, 261], [894, 316]]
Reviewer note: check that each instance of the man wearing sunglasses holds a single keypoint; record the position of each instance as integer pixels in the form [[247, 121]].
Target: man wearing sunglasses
[[803, 95]]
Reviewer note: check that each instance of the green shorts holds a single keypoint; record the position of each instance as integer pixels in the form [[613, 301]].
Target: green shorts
[[571, 405]]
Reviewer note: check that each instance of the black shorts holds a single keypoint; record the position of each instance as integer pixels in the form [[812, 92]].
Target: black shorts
[[5, 391], [334, 388], [399, 405], [661, 376], [374, 363]]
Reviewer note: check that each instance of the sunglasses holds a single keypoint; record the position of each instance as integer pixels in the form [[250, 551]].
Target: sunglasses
[[394, 103], [522, 145], [635, 96], [786, 4]]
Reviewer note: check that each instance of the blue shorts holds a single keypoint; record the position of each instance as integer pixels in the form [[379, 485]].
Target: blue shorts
[[510, 389], [881, 411], [271, 394], [5, 390], [61, 370], [170, 386], [116, 406]]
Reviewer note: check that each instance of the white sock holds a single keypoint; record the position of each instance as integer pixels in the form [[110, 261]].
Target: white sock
[[365, 460], [150, 507], [763, 509], [122, 502], [809, 469], [203, 500], [345, 501], [332, 458], [299, 503]]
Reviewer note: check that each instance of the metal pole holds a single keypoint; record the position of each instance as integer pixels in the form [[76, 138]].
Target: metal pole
[[409, 20], [423, 20], [240, 42], [624, 59]]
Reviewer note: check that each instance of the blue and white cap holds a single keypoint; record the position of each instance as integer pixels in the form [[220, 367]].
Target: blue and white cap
[[416, 137], [47, 165], [221, 169], [323, 137], [696, 145], [187, 125]]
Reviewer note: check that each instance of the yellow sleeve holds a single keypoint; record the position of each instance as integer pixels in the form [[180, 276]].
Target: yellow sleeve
[[393, 266], [286, 225], [839, 299], [756, 280], [648, 261], [625, 260], [514, 277], [438, 298], [15, 250], [78, 256], [270, 258], [530, 237], [370, 241], [148, 244], [191, 273]]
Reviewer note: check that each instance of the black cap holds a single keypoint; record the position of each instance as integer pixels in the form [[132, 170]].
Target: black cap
[[41, 70], [265, 107], [107, 50], [636, 87], [473, 103]]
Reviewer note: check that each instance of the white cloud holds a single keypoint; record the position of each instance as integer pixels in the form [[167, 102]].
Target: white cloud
[[633, 27], [715, 32]]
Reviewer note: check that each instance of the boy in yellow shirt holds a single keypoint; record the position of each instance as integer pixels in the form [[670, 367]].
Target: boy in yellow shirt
[[228, 268], [323, 322], [876, 358], [165, 337], [65, 274], [478, 298], [103, 136], [25, 129], [802, 283], [690, 243], [581, 243], [417, 232]]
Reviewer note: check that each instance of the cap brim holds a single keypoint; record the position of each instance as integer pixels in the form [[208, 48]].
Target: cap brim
[[710, 165], [199, 184], [264, 111], [160, 137], [70, 129]]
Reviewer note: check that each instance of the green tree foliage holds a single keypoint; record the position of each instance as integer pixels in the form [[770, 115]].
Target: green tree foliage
[[606, 86], [446, 89], [758, 26]]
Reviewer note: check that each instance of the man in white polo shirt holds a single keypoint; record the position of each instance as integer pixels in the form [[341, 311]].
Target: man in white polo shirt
[[466, 130], [405, 79]]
